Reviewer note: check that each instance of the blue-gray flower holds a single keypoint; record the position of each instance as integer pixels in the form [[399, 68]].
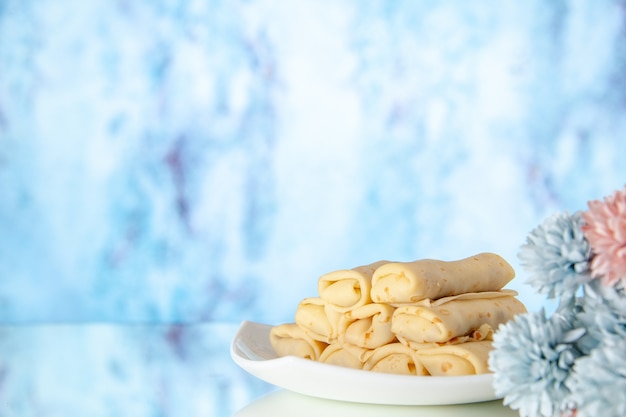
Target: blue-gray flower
[[531, 360], [598, 383], [557, 256], [603, 314]]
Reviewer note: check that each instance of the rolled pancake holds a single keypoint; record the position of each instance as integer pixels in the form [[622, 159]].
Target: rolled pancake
[[344, 355], [451, 360], [318, 319], [394, 358], [368, 326], [348, 288], [484, 332], [407, 282], [290, 340], [447, 318]]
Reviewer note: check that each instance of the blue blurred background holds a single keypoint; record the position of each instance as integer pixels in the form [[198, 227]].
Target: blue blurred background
[[208, 160], [205, 161]]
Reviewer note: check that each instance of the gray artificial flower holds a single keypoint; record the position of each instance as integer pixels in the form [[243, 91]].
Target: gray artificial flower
[[602, 313], [598, 383], [531, 360], [557, 256]]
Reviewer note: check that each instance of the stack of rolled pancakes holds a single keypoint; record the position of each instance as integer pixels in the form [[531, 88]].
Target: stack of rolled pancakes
[[426, 317]]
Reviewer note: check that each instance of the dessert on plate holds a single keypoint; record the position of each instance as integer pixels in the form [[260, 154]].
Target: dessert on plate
[[426, 317]]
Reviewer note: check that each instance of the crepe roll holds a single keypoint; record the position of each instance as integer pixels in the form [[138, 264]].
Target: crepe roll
[[344, 355], [290, 340], [407, 282], [484, 332], [348, 288], [395, 358], [453, 360], [368, 326], [444, 320], [318, 319]]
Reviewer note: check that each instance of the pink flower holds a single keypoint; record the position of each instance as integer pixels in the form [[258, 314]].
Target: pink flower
[[605, 229]]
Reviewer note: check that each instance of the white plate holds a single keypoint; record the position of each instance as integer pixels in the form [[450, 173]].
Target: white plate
[[251, 350]]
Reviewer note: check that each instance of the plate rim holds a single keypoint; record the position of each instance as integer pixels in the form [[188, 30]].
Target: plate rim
[[276, 371]]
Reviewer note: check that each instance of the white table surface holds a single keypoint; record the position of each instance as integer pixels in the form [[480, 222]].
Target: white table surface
[[285, 403]]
